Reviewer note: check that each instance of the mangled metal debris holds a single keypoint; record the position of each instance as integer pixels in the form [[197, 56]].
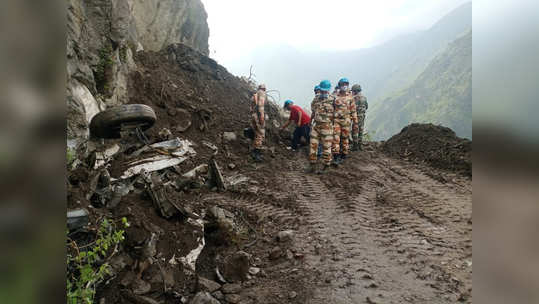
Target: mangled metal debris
[[190, 259], [103, 157], [211, 146], [216, 177], [77, 219], [166, 154], [160, 194], [199, 170]]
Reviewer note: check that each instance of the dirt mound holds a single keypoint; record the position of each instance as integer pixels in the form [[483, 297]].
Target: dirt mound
[[179, 82], [435, 145]]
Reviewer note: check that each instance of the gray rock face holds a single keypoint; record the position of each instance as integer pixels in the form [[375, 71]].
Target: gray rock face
[[103, 35], [158, 23]]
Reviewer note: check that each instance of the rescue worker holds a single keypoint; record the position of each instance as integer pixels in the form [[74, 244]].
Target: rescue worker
[[335, 90], [316, 90], [361, 106], [302, 121], [345, 114], [258, 121], [322, 118]]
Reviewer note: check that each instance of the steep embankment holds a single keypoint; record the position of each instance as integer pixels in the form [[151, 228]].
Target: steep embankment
[[442, 94]]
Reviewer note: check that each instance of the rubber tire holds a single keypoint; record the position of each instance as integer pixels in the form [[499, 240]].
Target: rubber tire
[[107, 124]]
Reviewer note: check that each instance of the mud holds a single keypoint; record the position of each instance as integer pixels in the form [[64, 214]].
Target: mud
[[385, 227], [435, 145]]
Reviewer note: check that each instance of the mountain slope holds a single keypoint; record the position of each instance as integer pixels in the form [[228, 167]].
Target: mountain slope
[[381, 70], [442, 94]]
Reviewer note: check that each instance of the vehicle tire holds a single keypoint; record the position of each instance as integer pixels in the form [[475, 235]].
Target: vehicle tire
[[107, 124]]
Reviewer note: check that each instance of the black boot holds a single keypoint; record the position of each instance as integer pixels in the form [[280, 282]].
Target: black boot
[[256, 155], [336, 159], [343, 157]]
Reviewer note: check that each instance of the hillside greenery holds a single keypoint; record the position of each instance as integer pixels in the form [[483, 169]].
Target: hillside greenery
[[442, 94]]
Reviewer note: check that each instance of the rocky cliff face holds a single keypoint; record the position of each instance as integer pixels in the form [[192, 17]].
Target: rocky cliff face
[[103, 35]]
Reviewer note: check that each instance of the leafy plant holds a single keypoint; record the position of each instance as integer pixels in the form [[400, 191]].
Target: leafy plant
[[87, 265], [104, 69], [70, 156]]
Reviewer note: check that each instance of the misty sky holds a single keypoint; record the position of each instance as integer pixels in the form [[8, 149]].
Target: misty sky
[[237, 27]]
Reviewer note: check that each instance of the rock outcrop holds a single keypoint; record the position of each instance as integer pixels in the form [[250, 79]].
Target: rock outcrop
[[103, 35]]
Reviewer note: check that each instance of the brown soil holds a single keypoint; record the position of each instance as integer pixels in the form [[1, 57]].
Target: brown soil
[[435, 145], [375, 230]]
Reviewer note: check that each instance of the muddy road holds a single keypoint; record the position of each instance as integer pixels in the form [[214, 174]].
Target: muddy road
[[376, 230]]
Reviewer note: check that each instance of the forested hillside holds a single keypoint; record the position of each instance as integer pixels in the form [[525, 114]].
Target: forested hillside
[[442, 94]]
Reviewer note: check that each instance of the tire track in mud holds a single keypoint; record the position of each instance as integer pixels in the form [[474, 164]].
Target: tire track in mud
[[260, 205], [350, 256], [394, 240], [435, 235]]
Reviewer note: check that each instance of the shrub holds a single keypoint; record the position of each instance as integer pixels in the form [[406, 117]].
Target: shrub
[[87, 265]]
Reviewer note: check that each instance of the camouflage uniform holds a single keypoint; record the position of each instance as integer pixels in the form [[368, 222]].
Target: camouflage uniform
[[345, 114], [322, 128], [257, 111], [361, 106]]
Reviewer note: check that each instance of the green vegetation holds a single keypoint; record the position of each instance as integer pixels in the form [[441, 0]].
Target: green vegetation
[[70, 156], [123, 53], [87, 266], [103, 69], [442, 95]]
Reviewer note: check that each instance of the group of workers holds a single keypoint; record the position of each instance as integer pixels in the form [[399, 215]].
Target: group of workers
[[335, 117]]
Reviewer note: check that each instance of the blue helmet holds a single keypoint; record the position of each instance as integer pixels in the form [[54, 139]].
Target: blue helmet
[[287, 102], [325, 85], [317, 88], [343, 80]]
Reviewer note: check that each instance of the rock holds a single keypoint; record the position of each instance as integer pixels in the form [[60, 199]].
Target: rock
[[218, 295], [149, 250], [165, 134], [172, 111], [231, 288], [285, 236], [127, 279], [233, 298], [119, 262], [204, 297], [275, 253], [207, 285], [183, 118], [289, 254], [236, 267], [292, 294], [141, 287], [229, 136], [254, 270], [231, 166]]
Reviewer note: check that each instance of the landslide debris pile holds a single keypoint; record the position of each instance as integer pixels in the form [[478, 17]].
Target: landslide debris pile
[[173, 225], [437, 146]]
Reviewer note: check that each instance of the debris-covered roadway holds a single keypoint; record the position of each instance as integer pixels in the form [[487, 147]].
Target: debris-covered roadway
[[208, 225]]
